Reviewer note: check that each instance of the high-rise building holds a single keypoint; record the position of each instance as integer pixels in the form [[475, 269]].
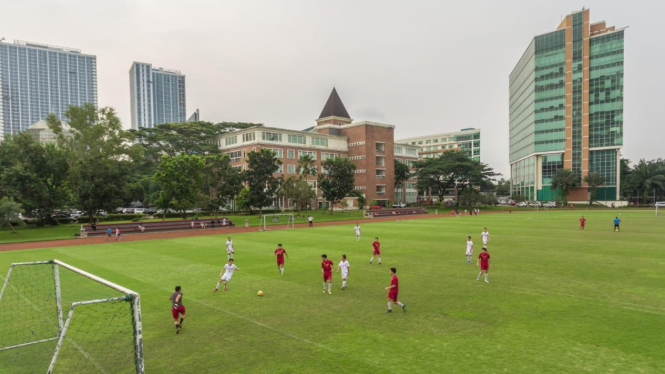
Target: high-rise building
[[157, 95], [566, 109], [38, 79], [429, 146]]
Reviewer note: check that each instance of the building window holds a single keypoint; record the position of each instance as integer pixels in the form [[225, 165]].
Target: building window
[[291, 169], [357, 157], [290, 153], [435, 140], [278, 152], [325, 156], [248, 137], [320, 142], [235, 156], [428, 141], [420, 142], [297, 139], [398, 150], [281, 168], [271, 136], [231, 140], [356, 144], [411, 151], [302, 153]]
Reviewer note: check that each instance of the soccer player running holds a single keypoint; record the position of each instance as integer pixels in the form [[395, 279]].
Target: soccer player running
[[469, 250], [177, 309], [228, 273], [393, 290], [326, 269], [617, 221], [484, 262], [280, 253], [344, 266], [582, 222], [485, 236], [357, 228], [229, 248], [377, 251]]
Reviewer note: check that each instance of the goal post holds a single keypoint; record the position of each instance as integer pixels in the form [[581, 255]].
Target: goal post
[[57, 318], [279, 221]]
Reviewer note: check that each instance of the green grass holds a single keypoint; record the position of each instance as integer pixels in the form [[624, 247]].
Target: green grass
[[559, 300]]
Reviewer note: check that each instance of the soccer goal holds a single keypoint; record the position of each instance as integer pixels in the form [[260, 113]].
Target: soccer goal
[[279, 221], [60, 319]]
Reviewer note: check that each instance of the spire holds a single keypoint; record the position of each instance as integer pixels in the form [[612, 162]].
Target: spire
[[334, 107]]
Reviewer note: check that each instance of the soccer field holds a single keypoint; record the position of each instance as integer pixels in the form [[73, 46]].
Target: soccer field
[[559, 300]]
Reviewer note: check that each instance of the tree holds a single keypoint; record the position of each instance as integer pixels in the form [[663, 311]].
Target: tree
[[307, 167], [648, 176], [100, 154], [9, 212], [503, 187], [180, 179], [593, 180], [262, 184], [242, 200], [337, 181], [34, 174], [298, 190], [360, 196], [564, 180], [222, 181], [625, 173], [402, 174]]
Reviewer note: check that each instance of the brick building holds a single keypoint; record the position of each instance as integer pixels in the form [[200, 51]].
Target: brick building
[[370, 145]]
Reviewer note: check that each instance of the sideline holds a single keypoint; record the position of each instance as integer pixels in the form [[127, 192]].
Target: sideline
[[209, 231]]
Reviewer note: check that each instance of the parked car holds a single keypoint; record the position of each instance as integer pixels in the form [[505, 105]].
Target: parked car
[[522, 204], [128, 211], [150, 211], [399, 205], [101, 213], [535, 204], [550, 204], [139, 211], [660, 204]]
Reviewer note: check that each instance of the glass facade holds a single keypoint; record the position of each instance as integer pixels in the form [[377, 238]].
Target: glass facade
[[36, 80], [157, 96], [523, 178], [578, 75]]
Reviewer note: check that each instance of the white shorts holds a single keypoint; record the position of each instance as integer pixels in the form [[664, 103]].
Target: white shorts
[[227, 277], [485, 241], [229, 251], [469, 252], [345, 275]]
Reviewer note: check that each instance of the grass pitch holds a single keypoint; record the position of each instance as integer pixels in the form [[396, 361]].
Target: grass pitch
[[559, 300]]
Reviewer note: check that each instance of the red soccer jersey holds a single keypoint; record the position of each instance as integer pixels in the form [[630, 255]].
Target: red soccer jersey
[[327, 266], [582, 221], [484, 259], [376, 246], [394, 282], [280, 253]]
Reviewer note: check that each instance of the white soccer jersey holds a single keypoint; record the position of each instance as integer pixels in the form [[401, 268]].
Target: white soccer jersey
[[344, 265], [469, 247], [357, 230], [229, 246], [228, 269], [485, 235]]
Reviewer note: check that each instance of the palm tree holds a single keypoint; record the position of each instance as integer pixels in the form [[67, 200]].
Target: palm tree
[[564, 179], [647, 176], [306, 167], [594, 180]]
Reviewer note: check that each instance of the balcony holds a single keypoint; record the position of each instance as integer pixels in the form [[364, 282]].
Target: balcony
[[381, 161], [380, 147], [380, 174]]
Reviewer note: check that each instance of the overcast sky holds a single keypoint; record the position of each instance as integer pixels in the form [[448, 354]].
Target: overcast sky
[[423, 66]]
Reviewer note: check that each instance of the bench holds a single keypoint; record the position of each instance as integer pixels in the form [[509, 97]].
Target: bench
[[179, 225], [395, 212]]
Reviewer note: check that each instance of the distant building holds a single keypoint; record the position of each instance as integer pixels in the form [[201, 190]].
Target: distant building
[[43, 134], [157, 95], [194, 117], [38, 79], [429, 146], [566, 109]]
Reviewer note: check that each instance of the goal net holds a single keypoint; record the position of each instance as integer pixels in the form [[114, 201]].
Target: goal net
[[56, 318], [277, 221]]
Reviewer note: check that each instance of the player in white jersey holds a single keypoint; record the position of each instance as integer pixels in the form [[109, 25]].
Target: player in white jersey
[[228, 273], [485, 236], [357, 228], [469, 250], [344, 266], [229, 249]]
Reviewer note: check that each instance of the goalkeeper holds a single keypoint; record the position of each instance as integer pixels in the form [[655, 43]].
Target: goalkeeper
[[177, 309]]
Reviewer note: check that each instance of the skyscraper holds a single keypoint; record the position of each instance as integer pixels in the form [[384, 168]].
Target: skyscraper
[[38, 79], [566, 109], [157, 95]]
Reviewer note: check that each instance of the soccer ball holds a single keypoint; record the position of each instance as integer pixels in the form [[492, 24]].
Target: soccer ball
[[260, 293]]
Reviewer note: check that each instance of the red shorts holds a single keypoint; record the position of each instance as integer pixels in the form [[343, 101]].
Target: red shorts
[[377, 252], [392, 296], [327, 276], [176, 311], [280, 261], [484, 267]]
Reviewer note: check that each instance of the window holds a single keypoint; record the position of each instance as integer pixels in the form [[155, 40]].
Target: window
[[411, 151], [290, 153], [428, 141], [325, 156], [271, 136], [320, 141], [231, 140], [413, 143], [291, 169], [356, 144], [235, 156], [278, 152], [302, 153], [281, 169], [420, 142], [410, 186], [248, 137], [444, 139], [435, 140], [297, 139], [398, 150]]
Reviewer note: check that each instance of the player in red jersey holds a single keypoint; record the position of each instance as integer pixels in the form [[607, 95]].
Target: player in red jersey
[[326, 269], [484, 262], [280, 252], [393, 290], [377, 251], [582, 222], [177, 309]]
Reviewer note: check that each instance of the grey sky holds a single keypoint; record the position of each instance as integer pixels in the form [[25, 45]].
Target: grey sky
[[425, 67]]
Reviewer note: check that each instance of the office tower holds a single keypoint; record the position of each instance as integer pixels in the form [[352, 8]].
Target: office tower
[[157, 95]]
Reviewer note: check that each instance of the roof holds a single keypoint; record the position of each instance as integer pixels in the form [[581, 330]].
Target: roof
[[334, 107]]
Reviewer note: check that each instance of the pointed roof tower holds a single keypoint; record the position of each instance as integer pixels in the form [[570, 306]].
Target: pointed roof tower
[[334, 108]]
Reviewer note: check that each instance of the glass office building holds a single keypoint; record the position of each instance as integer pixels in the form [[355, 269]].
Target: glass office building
[[157, 95], [566, 109], [38, 79]]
